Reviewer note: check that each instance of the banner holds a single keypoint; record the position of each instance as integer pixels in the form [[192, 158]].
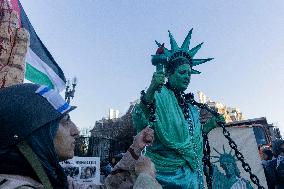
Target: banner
[[83, 169], [228, 171], [41, 68]]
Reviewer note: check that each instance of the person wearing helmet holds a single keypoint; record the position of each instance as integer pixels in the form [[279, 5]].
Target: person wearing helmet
[[36, 133]]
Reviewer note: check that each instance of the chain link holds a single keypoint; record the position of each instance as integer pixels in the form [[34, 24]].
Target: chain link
[[206, 147], [206, 161], [232, 144]]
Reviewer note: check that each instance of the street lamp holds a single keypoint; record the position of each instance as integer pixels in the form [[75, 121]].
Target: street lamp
[[69, 92]]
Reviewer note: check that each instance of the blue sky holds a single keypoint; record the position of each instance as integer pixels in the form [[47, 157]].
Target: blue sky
[[107, 45]]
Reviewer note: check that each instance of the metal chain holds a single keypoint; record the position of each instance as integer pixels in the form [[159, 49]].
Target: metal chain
[[150, 106], [206, 161], [232, 143], [189, 98]]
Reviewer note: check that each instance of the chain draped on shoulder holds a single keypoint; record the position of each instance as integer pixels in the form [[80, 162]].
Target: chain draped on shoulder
[[172, 131]]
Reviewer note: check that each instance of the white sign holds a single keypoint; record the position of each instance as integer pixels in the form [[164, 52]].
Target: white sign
[[83, 169], [225, 162]]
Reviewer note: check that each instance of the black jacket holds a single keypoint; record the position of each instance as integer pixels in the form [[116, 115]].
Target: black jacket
[[274, 176]]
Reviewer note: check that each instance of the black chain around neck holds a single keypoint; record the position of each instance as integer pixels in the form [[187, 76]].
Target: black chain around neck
[[184, 100], [151, 106]]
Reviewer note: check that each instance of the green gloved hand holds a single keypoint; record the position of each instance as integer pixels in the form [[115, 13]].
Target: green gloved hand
[[213, 123], [14, 43], [220, 119]]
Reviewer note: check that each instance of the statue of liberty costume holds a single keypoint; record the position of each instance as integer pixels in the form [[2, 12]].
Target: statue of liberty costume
[[177, 150]]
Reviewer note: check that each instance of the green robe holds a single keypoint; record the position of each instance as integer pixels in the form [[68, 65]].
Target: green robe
[[178, 142]]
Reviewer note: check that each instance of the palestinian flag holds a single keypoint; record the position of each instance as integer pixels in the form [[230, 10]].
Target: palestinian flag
[[41, 68]]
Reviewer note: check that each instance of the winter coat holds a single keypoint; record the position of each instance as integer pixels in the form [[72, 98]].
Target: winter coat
[[22, 182], [122, 177], [274, 175]]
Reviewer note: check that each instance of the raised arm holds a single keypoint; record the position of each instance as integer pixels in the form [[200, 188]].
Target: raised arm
[[125, 169], [14, 42], [158, 79]]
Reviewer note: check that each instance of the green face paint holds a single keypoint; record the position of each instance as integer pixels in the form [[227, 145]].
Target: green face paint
[[180, 79]]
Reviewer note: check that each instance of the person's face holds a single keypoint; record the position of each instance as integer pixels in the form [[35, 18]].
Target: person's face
[[264, 156], [281, 150], [88, 173], [64, 141], [113, 160], [181, 77]]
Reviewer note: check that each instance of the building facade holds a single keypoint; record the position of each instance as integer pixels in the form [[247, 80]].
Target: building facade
[[111, 137], [230, 114]]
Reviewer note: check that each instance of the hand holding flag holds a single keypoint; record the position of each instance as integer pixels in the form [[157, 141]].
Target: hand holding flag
[[41, 68], [14, 42]]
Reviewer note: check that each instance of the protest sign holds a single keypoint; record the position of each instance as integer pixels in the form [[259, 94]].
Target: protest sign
[[83, 169], [228, 171]]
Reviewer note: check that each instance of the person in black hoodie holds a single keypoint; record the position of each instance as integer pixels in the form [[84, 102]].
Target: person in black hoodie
[[274, 169]]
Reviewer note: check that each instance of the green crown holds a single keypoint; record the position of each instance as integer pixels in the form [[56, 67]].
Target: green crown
[[224, 157], [183, 52]]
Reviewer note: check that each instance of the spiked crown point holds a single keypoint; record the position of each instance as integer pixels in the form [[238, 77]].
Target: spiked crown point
[[225, 156], [193, 71], [195, 49], [174, 45], [186, 42], [196, 62]]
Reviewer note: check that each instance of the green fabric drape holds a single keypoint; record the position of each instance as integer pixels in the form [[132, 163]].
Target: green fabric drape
[[174, 146]]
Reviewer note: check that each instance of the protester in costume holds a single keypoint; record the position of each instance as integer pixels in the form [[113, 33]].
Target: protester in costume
[[178, 147], [37, 133]]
